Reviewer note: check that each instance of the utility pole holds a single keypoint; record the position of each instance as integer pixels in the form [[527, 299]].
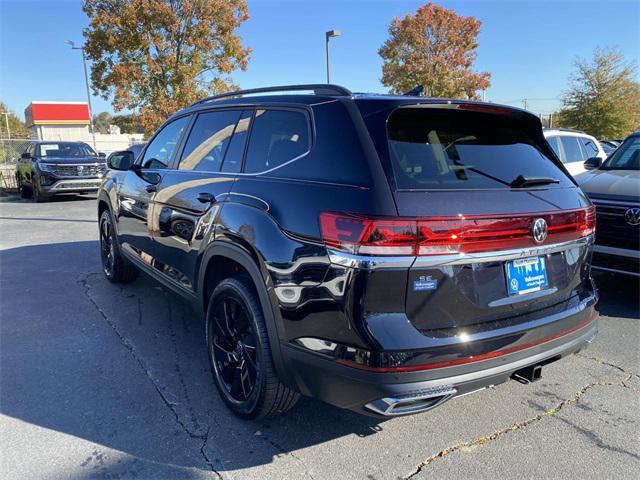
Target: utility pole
[[327, 36], [525, 103], [86, 82]]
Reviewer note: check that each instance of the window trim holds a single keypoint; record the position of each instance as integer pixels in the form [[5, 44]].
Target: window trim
[[266, 108], [304, 109]]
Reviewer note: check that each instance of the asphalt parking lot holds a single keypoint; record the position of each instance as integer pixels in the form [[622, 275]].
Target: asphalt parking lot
[[102, 381]]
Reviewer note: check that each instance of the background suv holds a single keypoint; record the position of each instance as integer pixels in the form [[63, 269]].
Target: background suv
[[573, 148], [614, 188], [381, 253], [49, 168]]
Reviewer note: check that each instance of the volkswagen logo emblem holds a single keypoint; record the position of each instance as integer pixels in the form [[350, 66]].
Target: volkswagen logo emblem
[[632, 216], [539, 230]]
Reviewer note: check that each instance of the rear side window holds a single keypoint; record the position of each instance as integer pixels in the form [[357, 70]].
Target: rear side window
[[440, 149], [572, 150], [208, 141], [277, 137]]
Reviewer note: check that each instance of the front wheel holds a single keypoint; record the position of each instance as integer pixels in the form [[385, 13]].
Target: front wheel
[[240, 354], [38, 196], [116, 268]]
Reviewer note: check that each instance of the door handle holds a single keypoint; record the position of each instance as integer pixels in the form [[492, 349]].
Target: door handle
[[206, 197], [151, 188]]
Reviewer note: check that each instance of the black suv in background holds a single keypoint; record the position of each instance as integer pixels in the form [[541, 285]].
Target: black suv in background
[[381, 253], [49, 168]]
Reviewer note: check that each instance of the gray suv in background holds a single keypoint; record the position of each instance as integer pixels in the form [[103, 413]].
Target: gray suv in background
[[614, 187], [49, 168]]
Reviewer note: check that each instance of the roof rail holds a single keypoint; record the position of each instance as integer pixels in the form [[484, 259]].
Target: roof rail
[[317, 88], [561, 129]]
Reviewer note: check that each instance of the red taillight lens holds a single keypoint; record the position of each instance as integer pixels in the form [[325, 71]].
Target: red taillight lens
[[367, 236], [449, 235]]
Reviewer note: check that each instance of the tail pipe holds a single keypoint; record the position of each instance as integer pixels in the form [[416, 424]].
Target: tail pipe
[[415, 402]]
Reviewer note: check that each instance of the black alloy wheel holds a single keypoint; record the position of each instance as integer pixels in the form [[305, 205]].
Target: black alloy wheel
[[240, 354], [116, 268], [234, 349], [106, 246]]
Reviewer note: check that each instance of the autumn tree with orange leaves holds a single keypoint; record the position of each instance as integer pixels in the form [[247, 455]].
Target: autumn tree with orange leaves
[[157, 56], [434, 48]]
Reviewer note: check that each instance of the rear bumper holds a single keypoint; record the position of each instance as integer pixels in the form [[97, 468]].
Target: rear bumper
[[374, 393]]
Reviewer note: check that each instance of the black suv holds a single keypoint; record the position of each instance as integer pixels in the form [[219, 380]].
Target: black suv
[[381, 253], [50, 168]]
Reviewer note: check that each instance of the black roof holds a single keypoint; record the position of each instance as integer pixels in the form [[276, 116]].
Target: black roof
[[313, 94]]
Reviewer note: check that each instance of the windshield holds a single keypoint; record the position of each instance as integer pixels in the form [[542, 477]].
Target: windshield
[[626, 157], [444, 149], [65, 150]]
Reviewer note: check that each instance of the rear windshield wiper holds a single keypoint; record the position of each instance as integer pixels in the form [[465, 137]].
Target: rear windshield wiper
[[522, 182]]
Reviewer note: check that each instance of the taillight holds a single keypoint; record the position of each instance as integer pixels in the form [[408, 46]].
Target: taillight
[[366, 236], [450, 235]]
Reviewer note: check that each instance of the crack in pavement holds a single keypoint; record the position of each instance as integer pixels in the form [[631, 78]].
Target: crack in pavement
[[516, 426], [83, 282], [178, 369], [609, 364]]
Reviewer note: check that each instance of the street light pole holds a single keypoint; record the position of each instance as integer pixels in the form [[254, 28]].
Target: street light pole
[[328, 35], [86, 82]]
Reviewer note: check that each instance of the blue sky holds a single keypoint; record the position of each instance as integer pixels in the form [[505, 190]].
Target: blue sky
[[528, 46]]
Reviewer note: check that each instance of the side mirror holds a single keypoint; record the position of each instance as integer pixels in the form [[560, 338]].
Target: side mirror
[[120, 160], [26, 156], [593, 163], [102, 154]]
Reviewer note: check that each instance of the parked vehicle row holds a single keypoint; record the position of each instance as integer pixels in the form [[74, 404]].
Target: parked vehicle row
[[381, 253]]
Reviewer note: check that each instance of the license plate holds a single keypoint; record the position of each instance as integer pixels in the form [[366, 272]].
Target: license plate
[[526, 275]]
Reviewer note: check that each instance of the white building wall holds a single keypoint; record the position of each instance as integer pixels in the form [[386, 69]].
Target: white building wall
[[106, 143]]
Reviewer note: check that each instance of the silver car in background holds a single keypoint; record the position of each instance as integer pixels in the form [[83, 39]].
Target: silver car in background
[[614, 187]]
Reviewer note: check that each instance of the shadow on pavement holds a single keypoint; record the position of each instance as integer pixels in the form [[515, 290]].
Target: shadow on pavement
[[63, 198], [126, 368], [619, 295]]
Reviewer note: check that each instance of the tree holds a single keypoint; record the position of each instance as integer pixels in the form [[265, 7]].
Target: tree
[[434, 48], [128, 123], [17, 128], [102, 121], [157, 56], [603, 99]]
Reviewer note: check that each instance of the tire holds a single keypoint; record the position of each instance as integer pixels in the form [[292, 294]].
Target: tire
[[234, 314], [115, 267], [38, 196]]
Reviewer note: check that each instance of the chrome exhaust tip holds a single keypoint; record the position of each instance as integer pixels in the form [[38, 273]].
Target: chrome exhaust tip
[[414, 402]]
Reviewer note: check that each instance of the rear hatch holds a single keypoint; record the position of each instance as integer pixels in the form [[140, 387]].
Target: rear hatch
[[478, 179]]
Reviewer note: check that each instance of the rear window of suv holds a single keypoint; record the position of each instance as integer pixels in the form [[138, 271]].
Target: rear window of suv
[[444, 149]]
